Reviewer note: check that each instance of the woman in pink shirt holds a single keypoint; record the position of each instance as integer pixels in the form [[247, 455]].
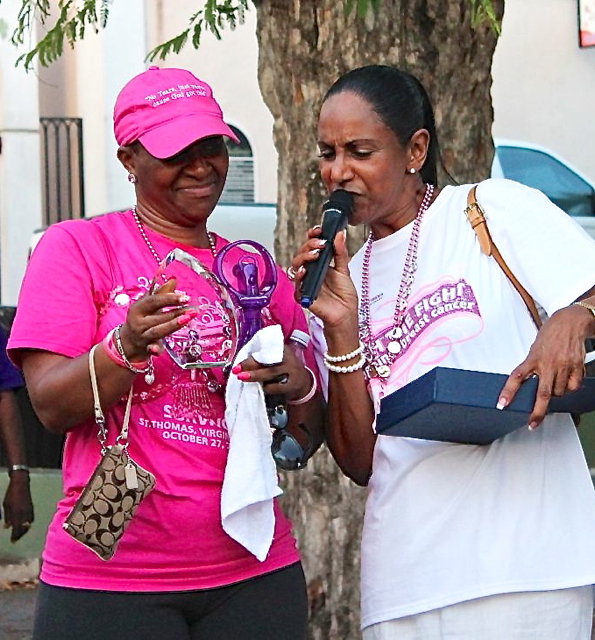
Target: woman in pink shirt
[[176, 572]]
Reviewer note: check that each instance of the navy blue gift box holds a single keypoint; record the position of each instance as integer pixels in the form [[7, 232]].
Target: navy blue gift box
[[454, 405]]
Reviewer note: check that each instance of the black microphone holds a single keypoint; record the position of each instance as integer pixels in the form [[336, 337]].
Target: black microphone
[[335, 215]]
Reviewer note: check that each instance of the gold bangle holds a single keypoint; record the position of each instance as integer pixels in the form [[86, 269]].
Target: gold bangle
[[586, 305]]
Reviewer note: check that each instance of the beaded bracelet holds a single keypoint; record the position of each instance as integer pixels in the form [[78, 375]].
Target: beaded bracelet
[[310, 393], [113, 354], [347, 356], [146, 366], [350, 369]]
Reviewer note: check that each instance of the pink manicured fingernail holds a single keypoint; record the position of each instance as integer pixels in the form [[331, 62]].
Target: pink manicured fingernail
[[153, 348], [237, 368], [243, 376], [502, 403], [533, 426], [185, 319], [321, 242]]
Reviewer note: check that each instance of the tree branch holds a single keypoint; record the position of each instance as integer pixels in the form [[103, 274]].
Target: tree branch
[[75, 16]]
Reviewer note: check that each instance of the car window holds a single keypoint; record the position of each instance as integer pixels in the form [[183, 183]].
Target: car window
[[541, 171]]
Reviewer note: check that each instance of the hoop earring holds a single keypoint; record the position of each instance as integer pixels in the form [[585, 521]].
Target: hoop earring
[[132, 178]]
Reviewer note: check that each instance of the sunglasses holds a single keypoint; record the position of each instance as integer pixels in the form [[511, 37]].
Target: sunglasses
[[287, 452]]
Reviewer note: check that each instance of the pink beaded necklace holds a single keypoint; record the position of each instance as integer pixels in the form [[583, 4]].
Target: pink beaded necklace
[[375, 368]]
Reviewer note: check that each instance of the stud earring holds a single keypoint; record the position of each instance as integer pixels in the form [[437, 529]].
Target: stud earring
[[132, 178], [411, 170]]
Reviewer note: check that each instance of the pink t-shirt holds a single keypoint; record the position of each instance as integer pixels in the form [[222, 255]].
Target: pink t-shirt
[[79, 284]]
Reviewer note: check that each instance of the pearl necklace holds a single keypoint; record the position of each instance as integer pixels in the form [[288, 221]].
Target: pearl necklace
[[374, 368], [149, 244]]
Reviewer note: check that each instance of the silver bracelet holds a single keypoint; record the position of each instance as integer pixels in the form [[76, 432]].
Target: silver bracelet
[[347, 356], [17, 467], [149, 371], [350, 369]]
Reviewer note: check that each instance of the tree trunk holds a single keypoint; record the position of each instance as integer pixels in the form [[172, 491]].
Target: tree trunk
[[304, 45]]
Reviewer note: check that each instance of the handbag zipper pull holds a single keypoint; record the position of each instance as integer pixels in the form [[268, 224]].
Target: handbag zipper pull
[[131, 476]]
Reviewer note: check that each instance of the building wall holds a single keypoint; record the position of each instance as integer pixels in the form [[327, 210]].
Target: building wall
[[230, 66], [20, 180], [543, 83]]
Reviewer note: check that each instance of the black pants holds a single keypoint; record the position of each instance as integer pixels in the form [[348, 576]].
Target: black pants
[[269, 607]]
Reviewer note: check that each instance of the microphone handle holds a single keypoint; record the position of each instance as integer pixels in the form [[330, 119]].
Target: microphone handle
[[333, 221]]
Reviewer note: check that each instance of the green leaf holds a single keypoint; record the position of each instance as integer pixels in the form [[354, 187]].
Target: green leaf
[[483, 11], [171, 46]]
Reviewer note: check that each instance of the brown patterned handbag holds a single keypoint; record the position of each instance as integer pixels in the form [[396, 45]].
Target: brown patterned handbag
[[116, 488]]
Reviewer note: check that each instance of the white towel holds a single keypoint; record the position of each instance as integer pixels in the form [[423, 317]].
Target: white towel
[[250, 482]]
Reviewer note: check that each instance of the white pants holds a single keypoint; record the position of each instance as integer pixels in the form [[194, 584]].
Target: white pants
[[566, 614]]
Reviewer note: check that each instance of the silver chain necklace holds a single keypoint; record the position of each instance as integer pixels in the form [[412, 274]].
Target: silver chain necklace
[[207, 377], [149, 244], [380, 367]]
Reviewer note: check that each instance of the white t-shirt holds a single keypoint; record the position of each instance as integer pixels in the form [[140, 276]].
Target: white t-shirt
[[444, 522]]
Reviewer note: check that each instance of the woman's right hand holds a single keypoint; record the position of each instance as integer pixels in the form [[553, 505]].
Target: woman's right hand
[[337, 300], [153, 317]]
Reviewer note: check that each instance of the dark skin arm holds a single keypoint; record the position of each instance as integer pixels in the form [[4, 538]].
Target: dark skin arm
[[557, 357], [60, 387], [17, 504], [350, 436]]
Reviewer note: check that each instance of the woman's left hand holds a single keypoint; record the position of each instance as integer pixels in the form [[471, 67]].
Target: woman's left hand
[[557, 358], [18, 506], [289, 378]]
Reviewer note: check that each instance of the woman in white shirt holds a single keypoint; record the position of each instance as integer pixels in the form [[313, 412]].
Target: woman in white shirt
[[459, 541]]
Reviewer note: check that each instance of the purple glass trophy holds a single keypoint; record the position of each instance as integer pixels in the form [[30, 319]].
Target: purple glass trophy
[[250, 287]]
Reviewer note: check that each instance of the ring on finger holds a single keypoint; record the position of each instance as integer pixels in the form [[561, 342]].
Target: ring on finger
[[282, 378], [290, 273]]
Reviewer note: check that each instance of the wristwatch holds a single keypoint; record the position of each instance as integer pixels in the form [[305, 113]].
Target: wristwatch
[[17, 467]]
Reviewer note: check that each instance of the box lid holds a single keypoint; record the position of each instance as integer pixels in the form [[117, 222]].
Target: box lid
[[455, 405]]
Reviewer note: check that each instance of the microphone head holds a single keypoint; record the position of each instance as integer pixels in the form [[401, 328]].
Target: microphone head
[[340, 199]]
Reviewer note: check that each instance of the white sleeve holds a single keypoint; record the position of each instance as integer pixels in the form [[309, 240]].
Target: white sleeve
[[549, 253]]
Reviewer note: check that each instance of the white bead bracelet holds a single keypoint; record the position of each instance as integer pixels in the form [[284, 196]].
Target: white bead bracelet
[[347, 356], [350, 369]]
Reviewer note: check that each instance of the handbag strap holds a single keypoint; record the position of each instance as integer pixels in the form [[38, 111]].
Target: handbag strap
[[122, 439], [478, 223]]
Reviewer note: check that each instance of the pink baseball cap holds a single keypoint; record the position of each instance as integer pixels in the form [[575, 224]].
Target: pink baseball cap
[[167, 110]]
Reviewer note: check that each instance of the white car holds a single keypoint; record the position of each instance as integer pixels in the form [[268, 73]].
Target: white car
[[541, 168]]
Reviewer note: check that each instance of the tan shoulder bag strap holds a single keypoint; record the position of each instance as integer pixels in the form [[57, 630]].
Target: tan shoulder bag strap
[[477, 221]]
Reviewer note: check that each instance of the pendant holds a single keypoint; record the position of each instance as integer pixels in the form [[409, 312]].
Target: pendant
[[150, 377], [382, 370], [394, 346]]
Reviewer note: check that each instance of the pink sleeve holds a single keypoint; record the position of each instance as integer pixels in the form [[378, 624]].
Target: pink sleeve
[[57, 308]]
